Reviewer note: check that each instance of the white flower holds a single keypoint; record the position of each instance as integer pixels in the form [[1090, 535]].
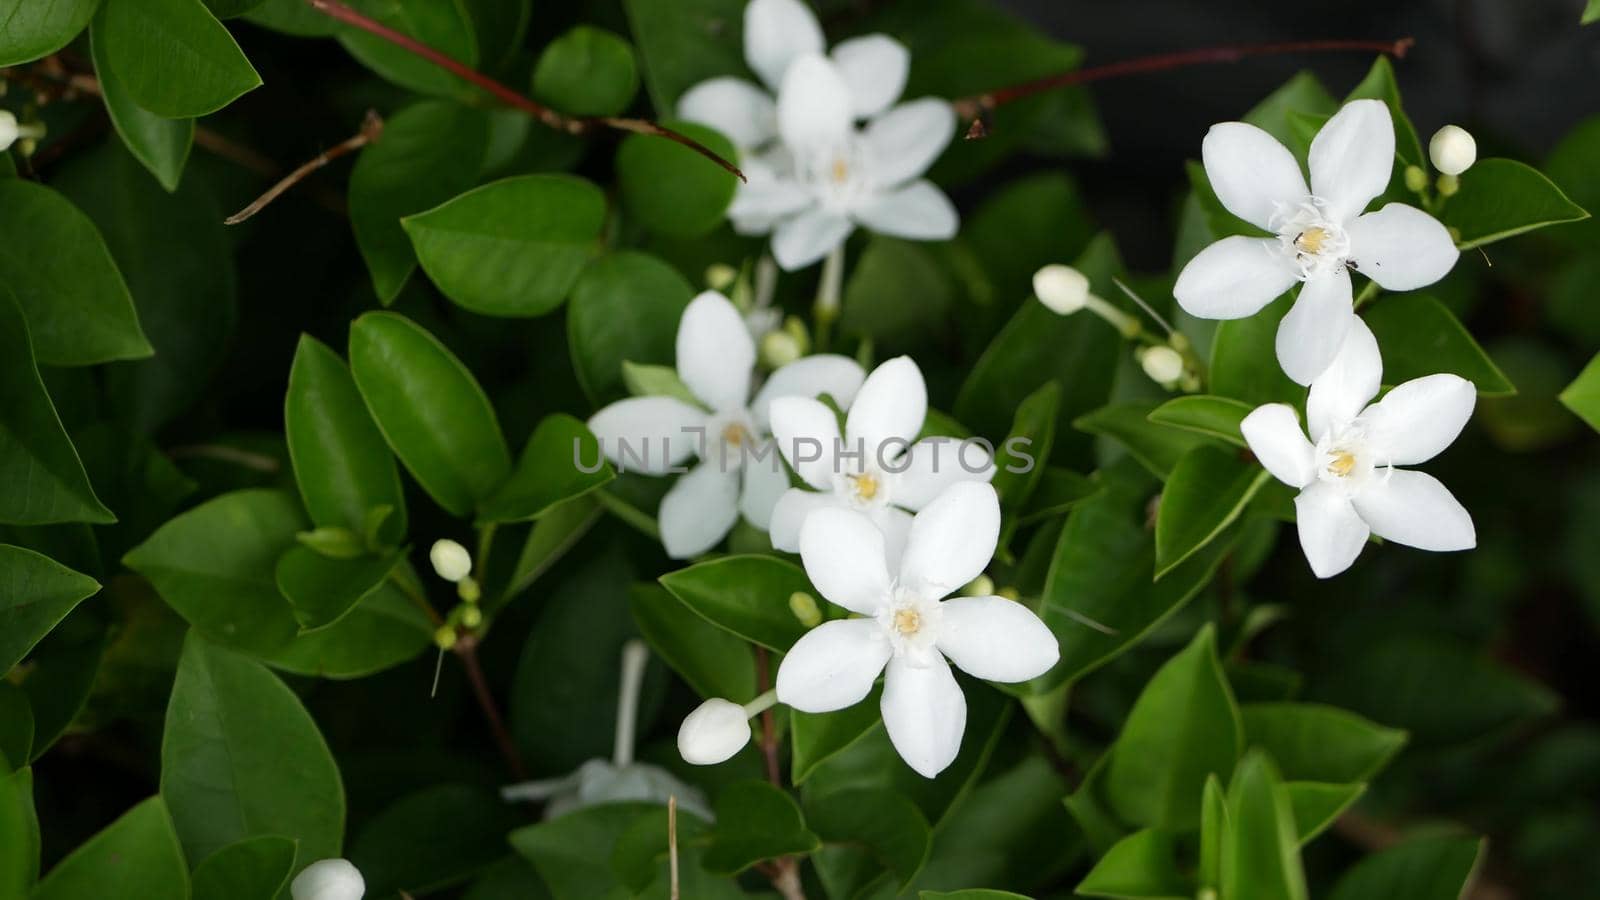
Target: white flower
[[813, 174], [714, 732], [450, 560], [876, 469], [1321, 232], [1348, 484], [739, 471], [328, 879], [1452, 150], [907, 628]]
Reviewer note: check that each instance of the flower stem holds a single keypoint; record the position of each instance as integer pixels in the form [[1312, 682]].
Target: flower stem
[[634, 657], [1367, 295], [761, 704], [826, 308]]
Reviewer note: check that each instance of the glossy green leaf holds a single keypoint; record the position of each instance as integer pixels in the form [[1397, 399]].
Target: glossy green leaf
[[501, 29], [443, 25], [160, 144], [54, 261], [1380, 84], [173, 57], [1244, 359], [756, 821], [1141, 866], [899, 294], [747, 595], [385, 628], [1591, 12], [550, 471], [1212, 416], [430, 410], [714, 662], [1058, 490], [430, 151], [656, 381], [16, 726], [672, 189], [241, 758], [1314, 742], [255, 868], [587, 71], [618, 850], [291, 17], [1500, 198], [1021, 457], [1317, 804], [513, 247], [19, 835], [1430, 868], [36, 29], [1582, 396], [886, 824], [1261, 855], [552, 535], [1301, 95], [341, 464], [61, 673], [1420, 336], [322, 590], [684, 42], [1206, 492], [36, 593], [135, 858], [1156, 447], [969, 894], [815, 737], [432, 838], [625, 307], [1214, 828]]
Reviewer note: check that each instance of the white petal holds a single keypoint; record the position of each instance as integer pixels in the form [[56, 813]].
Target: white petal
[[1331, 533], [746, 114], [648, 434], [699, 510], [1352, 157], [888, 411], [996, 639], [807, 433], [765, 480], [833, 665], [1233, 278], [924, 713], [1348, 384], [902, 143], [790, 513], [761, 202], [775, 32], [1401, 247], [933, 464], [814, 105], [917, 211], [1415, 422], [952, 539], [1251, 172], [1414, 509], [875, 67], [832, 374], [1310, 336], [716, 354], [328, 879], [843, 554], [808, 237], [895, 523], [1274, 435]]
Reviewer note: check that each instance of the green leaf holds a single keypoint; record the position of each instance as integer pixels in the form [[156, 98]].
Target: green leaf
[[341, 463], [1315, 742], [1431, 868], [240, 758], [552, 536], [1591, 12], [1206, 492], [173, 57], [747, 595], [430, 151], [41, 477], [432, 838], [160, 144], [656, 381], [1261, 855], [1184, 727], [1316, 805], [684, 42], [36, 593], [1301, 95], [672, 189], [898, 293], [501, 29], [441, 24], [1058, 490], [1502, 197], [55, 263], [16, 727], [19, 835], [1216, 417], [1380, 84], [969, 894], [384, 629], [1582, 396], [137, 857], [430, 410], [625, 307], [886, 824], [815, 737], [713, 662], [1156, 447], [1214, 828], [1244, 359], [36, 29], [1033, 432], [587, 71], [1420, 336], [1141, 866], [513, 247], [756, 821], [617, 850], [255, 868], [550, 471], [322, 590], [292, 17], [61, 673]]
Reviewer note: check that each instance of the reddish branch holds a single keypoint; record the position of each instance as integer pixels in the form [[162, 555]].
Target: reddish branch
[[371, 130], [466, 647], [546, 115], [978, 107]]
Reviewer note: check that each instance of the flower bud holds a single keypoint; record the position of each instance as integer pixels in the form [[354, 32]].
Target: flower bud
[[1416, 179], [720, 276], [9, 131], [982, 586], [778, 349], [328, 879], [1164, 365], [1063, 289], [450, 560], [714, 732], [444, 637], [805, 609], [1452, 150]]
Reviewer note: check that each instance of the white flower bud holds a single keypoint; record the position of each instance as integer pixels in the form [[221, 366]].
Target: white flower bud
[[714, 732], [9, 131], [1452, 150], [1063, 289], [328, 879], [450, 560], [1164, 365], [778, 349]]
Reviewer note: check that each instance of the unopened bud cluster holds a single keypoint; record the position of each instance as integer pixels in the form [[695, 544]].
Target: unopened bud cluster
[[453, 563]]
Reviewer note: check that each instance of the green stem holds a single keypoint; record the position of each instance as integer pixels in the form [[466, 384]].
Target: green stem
[[1367, 295], [414, 592]]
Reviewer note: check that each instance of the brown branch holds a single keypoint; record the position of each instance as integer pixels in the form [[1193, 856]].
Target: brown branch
[[544, 114], [785, 870], [466, 647], [978, 107], [371, 131]]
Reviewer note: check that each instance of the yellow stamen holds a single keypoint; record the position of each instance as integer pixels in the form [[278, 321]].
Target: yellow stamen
[[907, 621], [866, 486], [1310, 240], [1343, 462], [841, 170], [734, 433]]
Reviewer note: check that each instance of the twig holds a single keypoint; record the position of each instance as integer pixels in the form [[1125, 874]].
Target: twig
[[371, 131], [259, 462], [978, 107], [544, 114], [466, 647]]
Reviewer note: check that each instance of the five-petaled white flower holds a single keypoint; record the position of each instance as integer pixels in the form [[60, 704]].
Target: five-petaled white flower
[[908, 628], [813, 174], [876, 469], [1349, 486], [1321, 232], [739, 470]]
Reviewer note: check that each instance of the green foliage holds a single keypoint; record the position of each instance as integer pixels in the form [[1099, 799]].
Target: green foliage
[[160, 144], [671, 189], [173, 57], [38, 594], [587, 72], [33, 31], [1501, 198], [136, 856], [255, 868]]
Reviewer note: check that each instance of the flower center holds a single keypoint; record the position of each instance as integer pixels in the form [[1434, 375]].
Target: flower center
[[1312, 241], [838, 175], [729, 439], [1341, 463], [865, 486], [841, 170], [907, 621], [911, 624], [734, 434]]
